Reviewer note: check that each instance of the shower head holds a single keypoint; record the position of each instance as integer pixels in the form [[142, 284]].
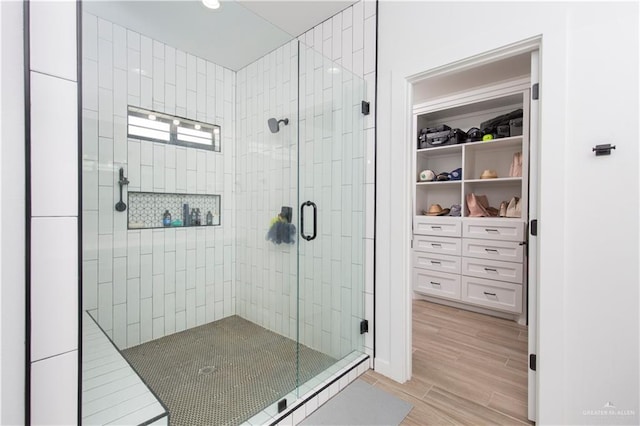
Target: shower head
[[274, 125]]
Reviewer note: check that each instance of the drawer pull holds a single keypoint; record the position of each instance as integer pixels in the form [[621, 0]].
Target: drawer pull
[[489, 294], [435, 283], [435, 262], [438, 245], [490, 270], [436, 227], [491, 250], [491, 230]]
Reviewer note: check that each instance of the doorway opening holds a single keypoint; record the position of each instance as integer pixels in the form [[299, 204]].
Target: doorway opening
[[474, 174]]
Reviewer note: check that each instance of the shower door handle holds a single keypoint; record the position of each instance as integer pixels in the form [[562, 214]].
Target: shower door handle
[[315, 220]]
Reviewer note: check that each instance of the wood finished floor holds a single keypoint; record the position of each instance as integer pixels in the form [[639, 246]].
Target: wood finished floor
[[468, 368]]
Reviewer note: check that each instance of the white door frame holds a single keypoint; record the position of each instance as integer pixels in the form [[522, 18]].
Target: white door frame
[[533, 307]]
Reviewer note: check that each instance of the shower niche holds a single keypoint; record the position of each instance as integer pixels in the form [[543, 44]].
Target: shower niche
[[157, 210]]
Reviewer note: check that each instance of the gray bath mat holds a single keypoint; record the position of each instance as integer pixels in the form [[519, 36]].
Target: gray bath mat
[[360, 404]]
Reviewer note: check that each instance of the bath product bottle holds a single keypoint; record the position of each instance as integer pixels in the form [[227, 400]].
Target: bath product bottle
[[166, 218], [194, 218], [209, 218], [186, 217]]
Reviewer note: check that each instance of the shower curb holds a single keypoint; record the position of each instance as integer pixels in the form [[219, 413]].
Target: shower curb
[[297, 413]]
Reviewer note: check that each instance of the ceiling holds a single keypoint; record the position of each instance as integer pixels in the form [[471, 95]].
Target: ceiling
[[296, 17], [235, 35]]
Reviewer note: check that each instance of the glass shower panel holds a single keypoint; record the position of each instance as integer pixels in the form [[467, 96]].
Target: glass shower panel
[[332, 189], [189, 248], [267, 213]]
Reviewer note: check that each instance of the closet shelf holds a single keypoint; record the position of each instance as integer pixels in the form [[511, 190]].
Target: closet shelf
[[477, 261], [495, 143], [441, 183], [479, 145], [495, 181]]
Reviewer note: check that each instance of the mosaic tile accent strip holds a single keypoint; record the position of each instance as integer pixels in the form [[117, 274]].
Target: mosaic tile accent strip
[[147, 209]]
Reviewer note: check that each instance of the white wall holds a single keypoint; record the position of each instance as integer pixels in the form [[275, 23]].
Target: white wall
[[145, 284], [588, 286], [12, 208]]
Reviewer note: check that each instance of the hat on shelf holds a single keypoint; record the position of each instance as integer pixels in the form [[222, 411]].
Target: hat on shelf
[[427, 176], [442, 176], [489, 174], [436, 210], [456, 174], [456, 210]]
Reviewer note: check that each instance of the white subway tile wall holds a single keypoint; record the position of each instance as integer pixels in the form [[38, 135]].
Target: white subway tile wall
[[266, 180], [336, 171], [54, 215], [143, 284]]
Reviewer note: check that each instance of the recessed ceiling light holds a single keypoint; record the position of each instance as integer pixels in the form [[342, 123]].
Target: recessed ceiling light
[[152, 117], [197, 127], [176, 122], [333, 70], [211, 4]]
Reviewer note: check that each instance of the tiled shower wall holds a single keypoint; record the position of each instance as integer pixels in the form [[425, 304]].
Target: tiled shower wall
[[145, 284], [336, 171], [266, 180]]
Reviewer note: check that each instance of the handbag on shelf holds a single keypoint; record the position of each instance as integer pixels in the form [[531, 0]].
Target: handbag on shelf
[[503, 209], [516, 165], [514, 208]]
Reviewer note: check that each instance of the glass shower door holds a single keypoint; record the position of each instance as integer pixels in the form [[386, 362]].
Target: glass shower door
[[332, 217]]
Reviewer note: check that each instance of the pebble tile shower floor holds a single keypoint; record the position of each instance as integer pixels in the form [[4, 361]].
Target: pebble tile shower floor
[[224, 372]]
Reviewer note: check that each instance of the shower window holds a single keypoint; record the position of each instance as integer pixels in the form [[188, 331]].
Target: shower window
[[159, 127]]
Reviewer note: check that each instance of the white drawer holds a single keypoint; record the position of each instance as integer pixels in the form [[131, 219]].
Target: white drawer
[[493, 229], [509, 251], [439, 226], [436, 262], [439, 245], [434, 283], [493, 269], [492, 294]]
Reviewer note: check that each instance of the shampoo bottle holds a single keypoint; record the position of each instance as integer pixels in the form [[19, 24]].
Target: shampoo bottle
[[166, 218]]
